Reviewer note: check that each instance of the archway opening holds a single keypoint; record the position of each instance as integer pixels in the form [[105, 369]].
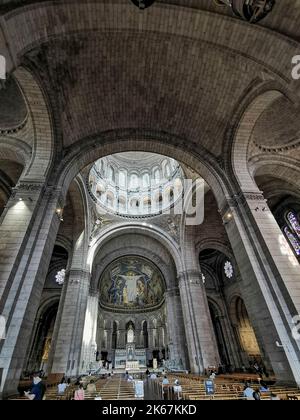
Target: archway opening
[[13, 108], [247, 340], [10, 173], [44, 335], [220, 276], [131, 291], [283, 199]]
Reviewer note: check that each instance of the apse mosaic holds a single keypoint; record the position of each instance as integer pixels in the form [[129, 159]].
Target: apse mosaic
[[132, 283]]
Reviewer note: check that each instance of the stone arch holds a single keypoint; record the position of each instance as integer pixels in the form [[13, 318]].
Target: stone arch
[[243, 328], [139, 252], [64, 243], [13, 108], [215, 305], [224, 251], [39, 338], [10, 173], [78, 196], [152, 231], [214, 244], [253, 108], [138, 140], [15, 150], [42, 140], [277, 166]]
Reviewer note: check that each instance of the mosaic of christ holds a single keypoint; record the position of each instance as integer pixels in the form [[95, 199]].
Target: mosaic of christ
[[131, 283]]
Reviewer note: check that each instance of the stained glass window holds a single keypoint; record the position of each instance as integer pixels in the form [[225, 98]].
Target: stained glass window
[[293, 240], [294, 223]]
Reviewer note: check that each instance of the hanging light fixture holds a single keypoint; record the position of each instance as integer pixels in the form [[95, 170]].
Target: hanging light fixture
[[143, 4], [60, 277], [250, 10]]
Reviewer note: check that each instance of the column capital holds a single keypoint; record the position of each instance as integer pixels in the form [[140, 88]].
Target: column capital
[[76, 275], [190, 277], [93, 292], [240, 199], [172, 292], [26, 188]]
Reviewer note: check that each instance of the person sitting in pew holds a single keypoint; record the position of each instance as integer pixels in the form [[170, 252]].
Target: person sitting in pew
[[177, 388], [256, 395], [62, 387], [91, 387], [263, 387], [165, 381], [248, 392]]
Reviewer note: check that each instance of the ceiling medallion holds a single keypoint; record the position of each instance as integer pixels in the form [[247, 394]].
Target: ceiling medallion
[[142, 4], [250, 10]]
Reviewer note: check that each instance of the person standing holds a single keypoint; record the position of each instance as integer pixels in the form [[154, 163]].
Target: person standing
[[79, 393]]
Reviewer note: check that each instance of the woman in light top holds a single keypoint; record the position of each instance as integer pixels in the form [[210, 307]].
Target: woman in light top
[[62, 387]]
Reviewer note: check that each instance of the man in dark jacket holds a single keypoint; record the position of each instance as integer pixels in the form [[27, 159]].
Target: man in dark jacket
[[37, 389]]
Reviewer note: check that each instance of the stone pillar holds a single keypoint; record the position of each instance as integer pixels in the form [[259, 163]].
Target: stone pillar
[[109, 329], [138, 340], [27, 236], [270, 280], [67, 353], [89, 345], [201, 341], [231, 342], [69, 341], [122, 338], [176, 342], [57, 322]]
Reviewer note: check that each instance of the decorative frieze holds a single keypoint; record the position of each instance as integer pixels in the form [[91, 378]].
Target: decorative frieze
[[25, 188]]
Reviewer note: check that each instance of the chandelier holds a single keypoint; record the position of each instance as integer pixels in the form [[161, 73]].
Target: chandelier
[[249, 10], [60, 277], [143, 4], [228, 269]]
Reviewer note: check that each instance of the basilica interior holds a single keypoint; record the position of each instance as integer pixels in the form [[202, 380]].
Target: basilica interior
[[149, 189]]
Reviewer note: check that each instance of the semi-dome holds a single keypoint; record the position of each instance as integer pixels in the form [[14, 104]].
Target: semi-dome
[[131, 283]]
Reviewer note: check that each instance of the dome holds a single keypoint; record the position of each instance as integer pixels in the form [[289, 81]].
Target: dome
[[136, 183], [131, 283]]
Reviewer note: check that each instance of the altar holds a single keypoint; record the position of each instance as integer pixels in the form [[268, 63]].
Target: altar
[[130, 358]]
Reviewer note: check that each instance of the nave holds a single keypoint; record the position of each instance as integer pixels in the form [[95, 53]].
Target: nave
[[155, 388]]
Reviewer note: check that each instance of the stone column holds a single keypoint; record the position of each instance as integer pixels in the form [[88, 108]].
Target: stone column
[[231, 342], [69, 341], [58, 322], [122, 338], [201, 341], [109, 342], [270, 280], [89, 345], [27, 236], [176, 342]]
